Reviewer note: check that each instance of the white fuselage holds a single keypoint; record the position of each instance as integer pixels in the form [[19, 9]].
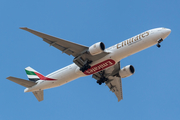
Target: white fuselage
[[117, 53]]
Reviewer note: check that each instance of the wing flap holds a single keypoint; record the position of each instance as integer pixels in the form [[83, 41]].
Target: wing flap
[[22, 82], [67, 47], [58, 46], [115, 85]]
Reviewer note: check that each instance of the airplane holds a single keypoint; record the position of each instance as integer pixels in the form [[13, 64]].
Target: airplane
[[103, 64]]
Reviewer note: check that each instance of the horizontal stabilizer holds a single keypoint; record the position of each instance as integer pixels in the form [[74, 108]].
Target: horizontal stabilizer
[[39, 95], [22, 82]]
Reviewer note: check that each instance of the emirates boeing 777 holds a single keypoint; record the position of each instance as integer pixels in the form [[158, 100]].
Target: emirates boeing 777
[[103, 64]]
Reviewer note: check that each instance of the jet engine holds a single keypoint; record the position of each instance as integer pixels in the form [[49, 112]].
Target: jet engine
[[96, 48], [126, 71]]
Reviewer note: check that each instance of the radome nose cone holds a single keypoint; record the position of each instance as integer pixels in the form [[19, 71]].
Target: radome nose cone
[[168, 31]]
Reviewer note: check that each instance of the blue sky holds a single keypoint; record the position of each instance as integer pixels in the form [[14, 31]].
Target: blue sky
[[153, 92]]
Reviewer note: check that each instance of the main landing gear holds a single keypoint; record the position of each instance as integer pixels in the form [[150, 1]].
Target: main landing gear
[[86, 66], [159, 41], [82, 64], [102, 79]]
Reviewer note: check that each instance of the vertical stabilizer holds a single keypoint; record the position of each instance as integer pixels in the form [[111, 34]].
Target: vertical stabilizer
[[33, 75]]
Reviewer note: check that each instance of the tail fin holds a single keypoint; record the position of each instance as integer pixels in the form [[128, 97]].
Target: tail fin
[[33, 75]]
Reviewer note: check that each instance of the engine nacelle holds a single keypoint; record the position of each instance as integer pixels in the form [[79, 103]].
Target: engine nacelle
[[97, 48], [126, 71]]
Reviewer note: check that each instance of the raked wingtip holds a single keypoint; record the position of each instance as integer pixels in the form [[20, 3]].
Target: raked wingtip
[[23, 28]]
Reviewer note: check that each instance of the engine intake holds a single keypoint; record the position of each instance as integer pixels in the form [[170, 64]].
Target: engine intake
[[97, 48], [126, 71]]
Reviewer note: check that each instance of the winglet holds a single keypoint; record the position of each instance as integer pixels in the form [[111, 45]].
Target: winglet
[[23, 28]]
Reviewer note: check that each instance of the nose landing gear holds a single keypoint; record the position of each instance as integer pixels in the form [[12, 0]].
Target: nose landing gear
[[158, 45], [159, 41]]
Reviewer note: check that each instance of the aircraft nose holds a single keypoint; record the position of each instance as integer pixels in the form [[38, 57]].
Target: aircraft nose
[[166, 32]]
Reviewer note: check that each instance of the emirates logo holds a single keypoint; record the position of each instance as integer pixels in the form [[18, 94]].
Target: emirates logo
[[100, 66]]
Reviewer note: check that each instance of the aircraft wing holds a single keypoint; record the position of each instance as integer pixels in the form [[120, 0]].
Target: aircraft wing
[[67, 47], [115, 85], [114, 80]]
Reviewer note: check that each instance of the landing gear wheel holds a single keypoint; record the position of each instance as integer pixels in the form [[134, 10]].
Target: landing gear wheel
[[102, 78], [158, 45], [99, 82], [89, 66], [82, 69], [85, 67]]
